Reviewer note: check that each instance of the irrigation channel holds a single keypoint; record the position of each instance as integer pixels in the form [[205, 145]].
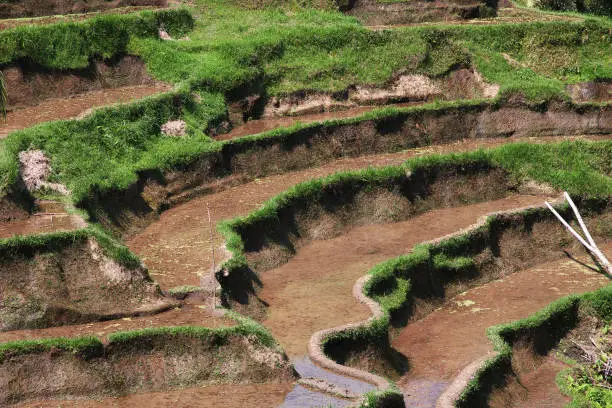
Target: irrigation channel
[[313, 290]]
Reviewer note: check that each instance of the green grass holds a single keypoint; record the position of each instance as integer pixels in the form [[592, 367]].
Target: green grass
[[58, 241], [74, 44], [84, 346], [277, 50], [308, 49]]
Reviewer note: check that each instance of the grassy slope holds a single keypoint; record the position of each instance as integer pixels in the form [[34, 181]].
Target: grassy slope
[[285, 50]]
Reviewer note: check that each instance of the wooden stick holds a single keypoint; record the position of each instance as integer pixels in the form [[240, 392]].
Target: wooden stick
[[212, 271]]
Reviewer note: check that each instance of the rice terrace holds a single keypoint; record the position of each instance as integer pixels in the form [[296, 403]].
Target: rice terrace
[[306, 203]]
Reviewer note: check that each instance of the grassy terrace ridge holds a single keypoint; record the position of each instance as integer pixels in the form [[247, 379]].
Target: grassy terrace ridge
[[552, 322], [581, 168], [104, 151], [72, 45], [89, 346], [56, 241], [233, 51]]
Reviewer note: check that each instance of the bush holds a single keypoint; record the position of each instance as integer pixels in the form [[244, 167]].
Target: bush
[[559, 5], [601, 7]]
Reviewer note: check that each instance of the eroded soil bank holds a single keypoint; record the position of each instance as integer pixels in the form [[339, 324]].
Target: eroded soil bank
[[128, 211], [71, 280], [373, 12], [210, 396], [188, 314], [142, 363], [440, 345], [33, 8], [37, 94]]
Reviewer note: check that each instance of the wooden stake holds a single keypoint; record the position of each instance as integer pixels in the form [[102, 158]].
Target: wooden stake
[[214, 266]]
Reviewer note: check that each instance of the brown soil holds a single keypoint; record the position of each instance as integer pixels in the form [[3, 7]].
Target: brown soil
[[535, 388], [11, 23], [256, 126], [189, 314], [29, 84], [69, 108], [72, 283], [32, 8], [50, 216], [177, 248], [504, 15], [372, 12], [40, 224], [440, 345], [590, 91], [210, 396], [313, 291]]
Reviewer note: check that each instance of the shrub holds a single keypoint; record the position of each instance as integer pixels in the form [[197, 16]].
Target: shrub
[[559, 5], [601, 7]]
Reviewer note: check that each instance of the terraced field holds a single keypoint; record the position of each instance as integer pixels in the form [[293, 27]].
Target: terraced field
[[304, 204]]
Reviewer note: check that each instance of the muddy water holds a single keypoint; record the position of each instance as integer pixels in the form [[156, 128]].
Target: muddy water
[[190, 314], [440, 345], [177, 248], [68, 108], [211, 396], [313, 291]]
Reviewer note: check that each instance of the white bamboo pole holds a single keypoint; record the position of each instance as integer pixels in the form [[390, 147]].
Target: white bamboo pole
[[579, 218], [568, 227], [591, 246]]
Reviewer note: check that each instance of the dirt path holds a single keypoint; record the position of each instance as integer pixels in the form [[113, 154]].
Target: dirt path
[[537, 388], [68, 108], [177, 249], [212, 396], [440, 345]]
